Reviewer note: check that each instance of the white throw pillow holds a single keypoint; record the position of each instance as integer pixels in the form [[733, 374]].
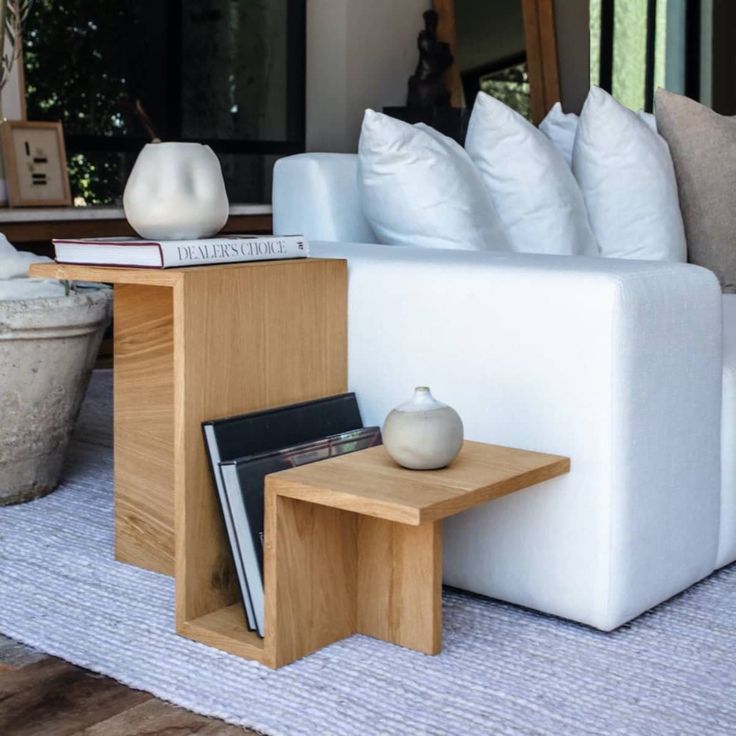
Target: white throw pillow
[[649, 119], [626, 174], [420, 188], [560, 128], [534, 192]]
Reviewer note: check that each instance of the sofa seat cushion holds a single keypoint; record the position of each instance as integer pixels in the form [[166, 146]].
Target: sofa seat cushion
[[727, 540]]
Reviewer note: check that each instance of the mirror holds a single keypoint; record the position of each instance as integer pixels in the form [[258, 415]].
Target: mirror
[[504, 47], [491, 51]]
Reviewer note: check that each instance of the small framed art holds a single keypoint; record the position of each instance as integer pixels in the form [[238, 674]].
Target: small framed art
[[35, 164]]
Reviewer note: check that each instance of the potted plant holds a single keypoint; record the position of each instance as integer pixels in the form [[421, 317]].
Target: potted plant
[[49, 337]]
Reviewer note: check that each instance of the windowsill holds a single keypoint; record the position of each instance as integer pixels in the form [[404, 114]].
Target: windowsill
[[98, 212]]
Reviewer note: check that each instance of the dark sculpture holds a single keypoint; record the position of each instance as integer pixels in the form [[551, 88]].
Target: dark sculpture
[[426, 87]]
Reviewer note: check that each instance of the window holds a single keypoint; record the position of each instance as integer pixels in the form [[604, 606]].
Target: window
[[639, 45], [229, 73]]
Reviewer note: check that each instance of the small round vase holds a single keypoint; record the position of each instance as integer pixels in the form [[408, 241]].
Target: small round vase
[[176, 192], [423, 433]]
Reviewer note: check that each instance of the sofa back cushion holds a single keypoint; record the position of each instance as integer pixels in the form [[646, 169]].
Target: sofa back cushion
[[625, 172], [560, 128], [529, 182], [703, 145], [420, 188]]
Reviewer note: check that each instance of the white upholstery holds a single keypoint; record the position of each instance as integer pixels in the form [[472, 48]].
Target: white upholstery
[[727, 542], [316, 195], [614, 363], [560, 128]]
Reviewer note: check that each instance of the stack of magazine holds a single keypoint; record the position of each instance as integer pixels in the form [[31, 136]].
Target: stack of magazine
[[245, 448]]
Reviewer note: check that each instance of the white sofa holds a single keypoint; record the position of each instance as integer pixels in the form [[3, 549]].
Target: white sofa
[[617, 364]]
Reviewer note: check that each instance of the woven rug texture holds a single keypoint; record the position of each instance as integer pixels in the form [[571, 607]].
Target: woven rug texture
[[503, 670]]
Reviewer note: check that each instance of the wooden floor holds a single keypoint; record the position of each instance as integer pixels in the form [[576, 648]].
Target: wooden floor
[[45, 696]]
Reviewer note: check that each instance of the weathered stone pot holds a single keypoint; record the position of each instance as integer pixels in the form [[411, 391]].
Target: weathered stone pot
[[48, 348]]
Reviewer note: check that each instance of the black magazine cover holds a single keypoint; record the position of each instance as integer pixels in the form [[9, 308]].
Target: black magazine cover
[[244, 488], [264, 431]]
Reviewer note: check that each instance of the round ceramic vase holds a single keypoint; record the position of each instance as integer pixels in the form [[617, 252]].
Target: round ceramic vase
[[423, 433], [176, 192]]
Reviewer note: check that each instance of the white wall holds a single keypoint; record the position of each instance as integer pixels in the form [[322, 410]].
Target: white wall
[[360, 53]]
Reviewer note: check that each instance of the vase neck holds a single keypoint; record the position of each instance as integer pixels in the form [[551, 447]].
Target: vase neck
[[422, 400]]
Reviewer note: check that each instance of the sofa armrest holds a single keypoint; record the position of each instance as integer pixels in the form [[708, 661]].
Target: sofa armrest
[[616, 364], [316, 195]]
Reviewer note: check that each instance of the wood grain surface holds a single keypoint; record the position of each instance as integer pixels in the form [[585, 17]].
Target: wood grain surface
[[244, 339], [354, 545], [311, 569], [541, 54], [369, 482], [400, 583], [193, 344], [149, 276], [144, 426], [44, 696]]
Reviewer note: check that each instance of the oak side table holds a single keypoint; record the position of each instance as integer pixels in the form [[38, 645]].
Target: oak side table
[[354, 545], [193, 344]]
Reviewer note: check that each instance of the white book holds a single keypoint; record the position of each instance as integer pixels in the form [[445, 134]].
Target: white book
[[246, 544], [227, 515], [135, 252]]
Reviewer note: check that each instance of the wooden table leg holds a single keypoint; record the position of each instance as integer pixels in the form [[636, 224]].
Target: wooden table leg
[[400, 583], [144, 427], [332, 573], [310, 577]]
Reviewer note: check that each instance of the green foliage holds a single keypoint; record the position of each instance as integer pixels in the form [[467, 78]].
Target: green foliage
[[77, 65], [511, 86], [629, 49]]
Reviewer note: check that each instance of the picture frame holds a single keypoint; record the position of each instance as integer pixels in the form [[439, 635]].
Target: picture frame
[[34, 156]]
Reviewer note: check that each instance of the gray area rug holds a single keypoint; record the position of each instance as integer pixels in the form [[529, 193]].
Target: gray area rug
[[503, 670]]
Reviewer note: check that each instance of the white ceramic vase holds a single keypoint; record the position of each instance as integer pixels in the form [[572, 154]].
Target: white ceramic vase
[[423, 433], [176, 192]]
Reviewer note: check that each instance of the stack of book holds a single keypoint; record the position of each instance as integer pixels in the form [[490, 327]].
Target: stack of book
[[244, 449], [135, 252]]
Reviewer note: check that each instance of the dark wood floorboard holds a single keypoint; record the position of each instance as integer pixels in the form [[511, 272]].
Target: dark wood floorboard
[[13, 654], [45, 696]]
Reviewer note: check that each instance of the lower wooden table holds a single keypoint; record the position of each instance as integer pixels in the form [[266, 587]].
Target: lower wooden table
[[354, 545]]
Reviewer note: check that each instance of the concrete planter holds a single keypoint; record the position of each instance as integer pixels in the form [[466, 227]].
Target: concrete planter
[[48, 348]]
